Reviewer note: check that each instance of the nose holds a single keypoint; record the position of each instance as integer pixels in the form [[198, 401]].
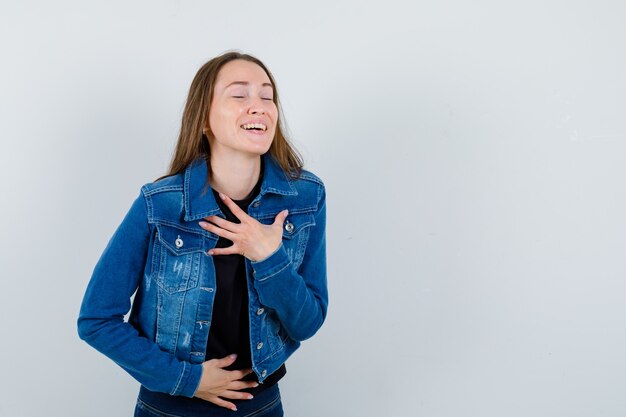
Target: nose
[[256, 106]]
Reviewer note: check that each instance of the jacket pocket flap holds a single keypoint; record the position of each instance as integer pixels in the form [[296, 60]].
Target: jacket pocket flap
[[179, 241], [296, 222]]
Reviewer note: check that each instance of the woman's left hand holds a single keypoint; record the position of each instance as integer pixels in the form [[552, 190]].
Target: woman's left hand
[[252, 239]]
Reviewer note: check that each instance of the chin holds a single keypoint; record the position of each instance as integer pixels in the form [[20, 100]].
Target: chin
[[259, 148]]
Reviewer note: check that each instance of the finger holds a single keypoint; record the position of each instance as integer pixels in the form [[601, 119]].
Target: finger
[[280, 217], [217, 230], [225, 361], [238, 374], [239, 385], [230, 250], [223, 223], [236, 395], [234, 208], [222, 403]]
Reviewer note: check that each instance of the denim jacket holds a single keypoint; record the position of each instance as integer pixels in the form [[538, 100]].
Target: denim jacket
[[159, 254]]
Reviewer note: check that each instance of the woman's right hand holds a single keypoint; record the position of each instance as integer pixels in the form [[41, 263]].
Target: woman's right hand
[[217, 382]]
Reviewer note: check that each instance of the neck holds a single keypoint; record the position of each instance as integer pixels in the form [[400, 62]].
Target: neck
[[235, 174]]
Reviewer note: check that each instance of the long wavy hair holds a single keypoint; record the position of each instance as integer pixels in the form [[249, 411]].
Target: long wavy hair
[[192, 143]]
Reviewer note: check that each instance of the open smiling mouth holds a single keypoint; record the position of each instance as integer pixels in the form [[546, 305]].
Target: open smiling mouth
[[254, 127]]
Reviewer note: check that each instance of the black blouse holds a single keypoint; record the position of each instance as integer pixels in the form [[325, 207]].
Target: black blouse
[[229, 331]]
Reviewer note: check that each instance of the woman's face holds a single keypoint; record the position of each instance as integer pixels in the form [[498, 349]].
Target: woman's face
[[243, 114]]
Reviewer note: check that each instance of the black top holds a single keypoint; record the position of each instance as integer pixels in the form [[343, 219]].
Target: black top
[[230, 326]]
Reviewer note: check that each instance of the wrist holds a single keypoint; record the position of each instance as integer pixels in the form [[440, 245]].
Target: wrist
[[268, 256]]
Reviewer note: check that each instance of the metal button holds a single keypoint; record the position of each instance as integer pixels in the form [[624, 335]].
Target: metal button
[[178, 242], [259, 345], [289, 227], [256, 204], [264, 373], [260, 311]]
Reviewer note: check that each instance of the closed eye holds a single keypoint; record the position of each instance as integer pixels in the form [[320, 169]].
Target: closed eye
[[268, 99]]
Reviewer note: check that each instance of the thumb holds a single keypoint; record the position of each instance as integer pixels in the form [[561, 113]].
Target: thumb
[[280, 217], [225, 361]]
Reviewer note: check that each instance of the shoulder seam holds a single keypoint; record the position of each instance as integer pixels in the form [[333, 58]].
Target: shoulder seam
[[308, 175], [161, 188]]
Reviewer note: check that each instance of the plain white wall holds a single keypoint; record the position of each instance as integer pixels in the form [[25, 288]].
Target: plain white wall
[[474, 155]]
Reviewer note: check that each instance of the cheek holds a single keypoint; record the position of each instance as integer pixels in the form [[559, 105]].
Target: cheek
[[274, 116], [222, 118]]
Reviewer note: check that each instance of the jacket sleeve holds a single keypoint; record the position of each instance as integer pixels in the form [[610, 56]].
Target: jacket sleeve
[[299, 297], [116, 276]]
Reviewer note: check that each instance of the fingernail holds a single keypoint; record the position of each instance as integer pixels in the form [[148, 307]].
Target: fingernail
[[250, 396], [222, 196], [202, 224], [211, 252], [233, 356], [286, 212], [234, 408]]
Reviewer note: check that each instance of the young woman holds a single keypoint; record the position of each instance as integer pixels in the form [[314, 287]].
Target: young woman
[[226, 256]]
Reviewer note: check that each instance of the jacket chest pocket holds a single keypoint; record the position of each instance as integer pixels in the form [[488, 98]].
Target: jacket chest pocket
[[296, 230], [179, 257]]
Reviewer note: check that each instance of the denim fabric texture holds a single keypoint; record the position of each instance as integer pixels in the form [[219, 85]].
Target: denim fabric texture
[[159, 251], [266, 404]]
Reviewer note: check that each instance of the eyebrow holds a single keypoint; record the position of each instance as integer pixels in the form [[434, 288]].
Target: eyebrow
[[247, 83]]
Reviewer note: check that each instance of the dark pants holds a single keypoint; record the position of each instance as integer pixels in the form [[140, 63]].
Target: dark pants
[[265, 404]]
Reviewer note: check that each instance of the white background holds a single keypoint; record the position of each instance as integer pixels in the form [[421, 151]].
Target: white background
[[474, 156]]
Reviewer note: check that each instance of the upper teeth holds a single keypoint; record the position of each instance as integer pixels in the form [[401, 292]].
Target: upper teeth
[[253, 125]]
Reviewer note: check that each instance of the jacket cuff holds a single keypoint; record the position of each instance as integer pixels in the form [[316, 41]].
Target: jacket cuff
[[189, 380], [271, 265]]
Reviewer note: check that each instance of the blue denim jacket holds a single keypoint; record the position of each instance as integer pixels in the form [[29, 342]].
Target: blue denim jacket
[[160, 251]]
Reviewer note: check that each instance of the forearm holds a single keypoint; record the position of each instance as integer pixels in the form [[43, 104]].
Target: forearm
[[140, 357], [300, 308], [117, 275]]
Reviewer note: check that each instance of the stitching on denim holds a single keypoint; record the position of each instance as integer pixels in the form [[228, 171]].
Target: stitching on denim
[[320, 189], [275, 353], [186, 180], [266, 407], [161, 273], [198, 247], [159, 319], [162, 262], [163, 188], [174, 225], [270, 356], [154, 410], [308, 175], [180, 378], [191, 261], [178, 226], [301, 248], [295, 233], [148, 202], [299, 210], [179, 314], [170, 347], [194, 274], [281, 192], [277, 272], [154, 273]]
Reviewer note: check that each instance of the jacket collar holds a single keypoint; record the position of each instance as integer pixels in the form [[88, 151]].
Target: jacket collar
[[199, 200]]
